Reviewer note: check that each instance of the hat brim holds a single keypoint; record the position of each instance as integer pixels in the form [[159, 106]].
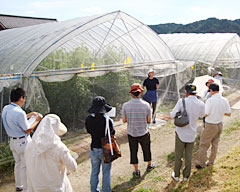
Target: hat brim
[[103, 109], [192, 92], [138, 90], [62, 129]]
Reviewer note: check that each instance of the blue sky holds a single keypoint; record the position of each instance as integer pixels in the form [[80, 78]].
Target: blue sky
[[147, 11]]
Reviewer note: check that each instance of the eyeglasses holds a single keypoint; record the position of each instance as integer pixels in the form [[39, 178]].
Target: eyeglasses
[[24, 97]]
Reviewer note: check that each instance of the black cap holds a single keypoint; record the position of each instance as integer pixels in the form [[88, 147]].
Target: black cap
[[190, 88], [99, 105], [214, 87]]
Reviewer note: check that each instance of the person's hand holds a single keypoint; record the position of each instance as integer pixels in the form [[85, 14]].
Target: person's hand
[[34, 113], [39, 117]]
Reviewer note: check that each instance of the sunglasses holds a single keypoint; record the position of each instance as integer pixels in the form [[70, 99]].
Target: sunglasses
[[24, 97]]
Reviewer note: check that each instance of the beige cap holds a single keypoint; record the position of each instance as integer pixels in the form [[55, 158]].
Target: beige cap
[[150, 71]]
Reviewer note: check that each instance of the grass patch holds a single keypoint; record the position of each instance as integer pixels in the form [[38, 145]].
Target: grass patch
[[223, 176], [166, 107], [158, 178], [228, 170], [171, 157], [142, 189], [196, 145], [234, 126], [228, 92], [6, 164]]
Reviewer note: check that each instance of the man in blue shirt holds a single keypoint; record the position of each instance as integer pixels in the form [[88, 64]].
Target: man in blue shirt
[[18, 129]]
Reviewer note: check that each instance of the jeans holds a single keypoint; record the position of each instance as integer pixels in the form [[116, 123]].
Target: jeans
[[96, 161]]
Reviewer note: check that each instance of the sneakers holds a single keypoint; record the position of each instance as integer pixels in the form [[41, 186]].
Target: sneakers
[[175, 178], [199, 167], [185, 179], [151, 167], [136, 174], [19, 189]]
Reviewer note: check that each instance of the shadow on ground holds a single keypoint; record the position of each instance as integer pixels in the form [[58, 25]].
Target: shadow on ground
[[130, 184]]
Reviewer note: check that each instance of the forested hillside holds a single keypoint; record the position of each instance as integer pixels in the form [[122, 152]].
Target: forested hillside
[[211, 25]]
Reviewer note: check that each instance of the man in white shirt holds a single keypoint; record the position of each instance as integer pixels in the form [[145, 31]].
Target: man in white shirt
[[18, 129], [215, 109], [185, 136]]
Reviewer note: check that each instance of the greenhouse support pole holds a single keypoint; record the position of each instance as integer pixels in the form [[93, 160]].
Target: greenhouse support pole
[[1, 127], [177, 81], [195, 70]]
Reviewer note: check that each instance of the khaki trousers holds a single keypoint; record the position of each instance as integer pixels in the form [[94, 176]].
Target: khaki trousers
[[210, 136]]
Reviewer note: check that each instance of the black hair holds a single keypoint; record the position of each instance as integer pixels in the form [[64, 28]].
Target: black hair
[[17, 93], [192, 93], [136, 93], [214, 87], [99, 116]]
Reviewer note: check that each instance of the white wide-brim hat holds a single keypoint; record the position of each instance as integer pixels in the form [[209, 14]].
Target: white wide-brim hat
[[62, 129]]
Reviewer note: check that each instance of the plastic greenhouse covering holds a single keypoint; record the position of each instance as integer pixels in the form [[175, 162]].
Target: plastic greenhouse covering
[[63, 65], [210, 52], [215, 49], [99, 40]]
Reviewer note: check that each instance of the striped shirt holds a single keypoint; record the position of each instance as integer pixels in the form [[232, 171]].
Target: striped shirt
[[136, 112]]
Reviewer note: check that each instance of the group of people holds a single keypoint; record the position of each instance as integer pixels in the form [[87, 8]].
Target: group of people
[[212, 111], [137, 114], [43, 161]]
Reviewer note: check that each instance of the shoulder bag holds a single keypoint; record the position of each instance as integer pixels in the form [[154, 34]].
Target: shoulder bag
[[181, 119], [110, 146]]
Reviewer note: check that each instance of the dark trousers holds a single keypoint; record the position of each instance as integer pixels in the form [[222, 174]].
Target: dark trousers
[[145, 143], [180, 147], [154, 105]]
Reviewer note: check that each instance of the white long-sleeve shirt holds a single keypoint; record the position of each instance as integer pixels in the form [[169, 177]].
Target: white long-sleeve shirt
[[48, 171], [195, 109]]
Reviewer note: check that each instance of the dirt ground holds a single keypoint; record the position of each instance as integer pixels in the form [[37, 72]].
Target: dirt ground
[[162, 147]]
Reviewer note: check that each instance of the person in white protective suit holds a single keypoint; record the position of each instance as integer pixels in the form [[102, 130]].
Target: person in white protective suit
[[48, 159]]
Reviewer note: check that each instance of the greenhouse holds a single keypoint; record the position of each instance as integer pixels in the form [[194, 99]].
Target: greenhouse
[[62, 65], [215, 49], [208, 52]]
